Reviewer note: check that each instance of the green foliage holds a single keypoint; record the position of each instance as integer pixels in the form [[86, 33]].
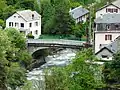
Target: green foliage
[[17, 39], [14, 59], [56, 18], [111, 70], [15, 75], [79, 75], [30, 36]]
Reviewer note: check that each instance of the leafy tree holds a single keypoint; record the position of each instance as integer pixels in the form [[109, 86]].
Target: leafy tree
[[4, 46], [111, 70], [81, 74], [14, 59], [17, 38], [48, 15]]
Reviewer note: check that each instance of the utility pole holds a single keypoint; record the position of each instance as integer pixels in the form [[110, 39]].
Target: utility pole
[[89, 31]]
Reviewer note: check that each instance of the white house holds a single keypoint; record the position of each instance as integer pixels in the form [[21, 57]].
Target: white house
[[26, 21], [108, 9], [80, 14], [107, 30]]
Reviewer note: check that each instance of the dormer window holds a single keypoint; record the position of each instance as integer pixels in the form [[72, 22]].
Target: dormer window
[[32, 16]]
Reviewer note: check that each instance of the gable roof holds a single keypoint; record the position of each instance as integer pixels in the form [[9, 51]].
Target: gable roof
[[113, 47], [116, 3], [78, 12], [103, 49], [27, 15], [113, 4], [108, 18]]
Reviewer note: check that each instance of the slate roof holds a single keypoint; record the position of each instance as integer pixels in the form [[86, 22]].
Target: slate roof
[[108, 18], [78, 12], [103, 49], [112, 47], [27, 15], [116, 3]]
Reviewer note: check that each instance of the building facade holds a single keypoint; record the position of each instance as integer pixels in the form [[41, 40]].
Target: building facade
[[107, 26], [80, 14], [26, 21]]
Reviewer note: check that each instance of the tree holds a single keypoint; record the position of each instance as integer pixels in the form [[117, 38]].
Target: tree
[[14, 59], [81, 74], [4, 47], [111, 70], [48, 12]]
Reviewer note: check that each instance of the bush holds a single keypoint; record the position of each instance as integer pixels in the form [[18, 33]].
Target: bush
[[30, 36]]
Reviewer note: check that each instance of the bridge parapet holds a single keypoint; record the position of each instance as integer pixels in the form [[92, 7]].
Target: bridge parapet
[[37, 44], [55, 41]]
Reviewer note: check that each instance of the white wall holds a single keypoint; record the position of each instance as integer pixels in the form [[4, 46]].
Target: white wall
[[103, 11], [34, 28], [105, 52], [14, 18], [82, 19], [100, 38]]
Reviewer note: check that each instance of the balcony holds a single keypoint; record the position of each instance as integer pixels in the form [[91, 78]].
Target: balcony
[[107, 28]]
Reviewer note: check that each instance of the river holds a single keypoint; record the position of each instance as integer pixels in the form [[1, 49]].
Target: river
[[61, 58]]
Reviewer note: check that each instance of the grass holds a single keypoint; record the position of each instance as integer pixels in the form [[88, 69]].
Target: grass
[[67, 37]]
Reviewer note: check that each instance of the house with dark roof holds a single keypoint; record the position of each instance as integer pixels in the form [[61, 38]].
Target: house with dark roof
[[80, 14], [106, 51], [107, 31], [25, 21], [111, 8]]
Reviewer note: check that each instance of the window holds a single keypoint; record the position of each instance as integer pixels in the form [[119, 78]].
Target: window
[[36, 32], [116, 10], [16, 24], [22, 24], [111, 10], [30, 24], [14, 16], [104, 56], [116, 26], [32, 16], [18, 16], [36, 23], [11, 24], [107, 27], [108, 37]]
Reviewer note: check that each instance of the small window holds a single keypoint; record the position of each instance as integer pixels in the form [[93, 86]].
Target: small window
[[18, 16], [108, 37], [14, 16], [116, 26], [107, 27], [116, 10], [32, 16], [16, 24], [22, 24], [36, 32], [30, 24], [36, 23], [105, 37], [104, 56], [11, 24]]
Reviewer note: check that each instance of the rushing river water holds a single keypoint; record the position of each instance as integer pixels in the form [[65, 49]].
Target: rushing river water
[[61, 58]]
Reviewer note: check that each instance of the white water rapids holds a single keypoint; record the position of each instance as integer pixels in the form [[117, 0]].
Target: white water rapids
[[61, 58]]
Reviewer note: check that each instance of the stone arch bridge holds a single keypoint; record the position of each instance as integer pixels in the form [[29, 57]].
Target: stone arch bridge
[[34, 45]]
